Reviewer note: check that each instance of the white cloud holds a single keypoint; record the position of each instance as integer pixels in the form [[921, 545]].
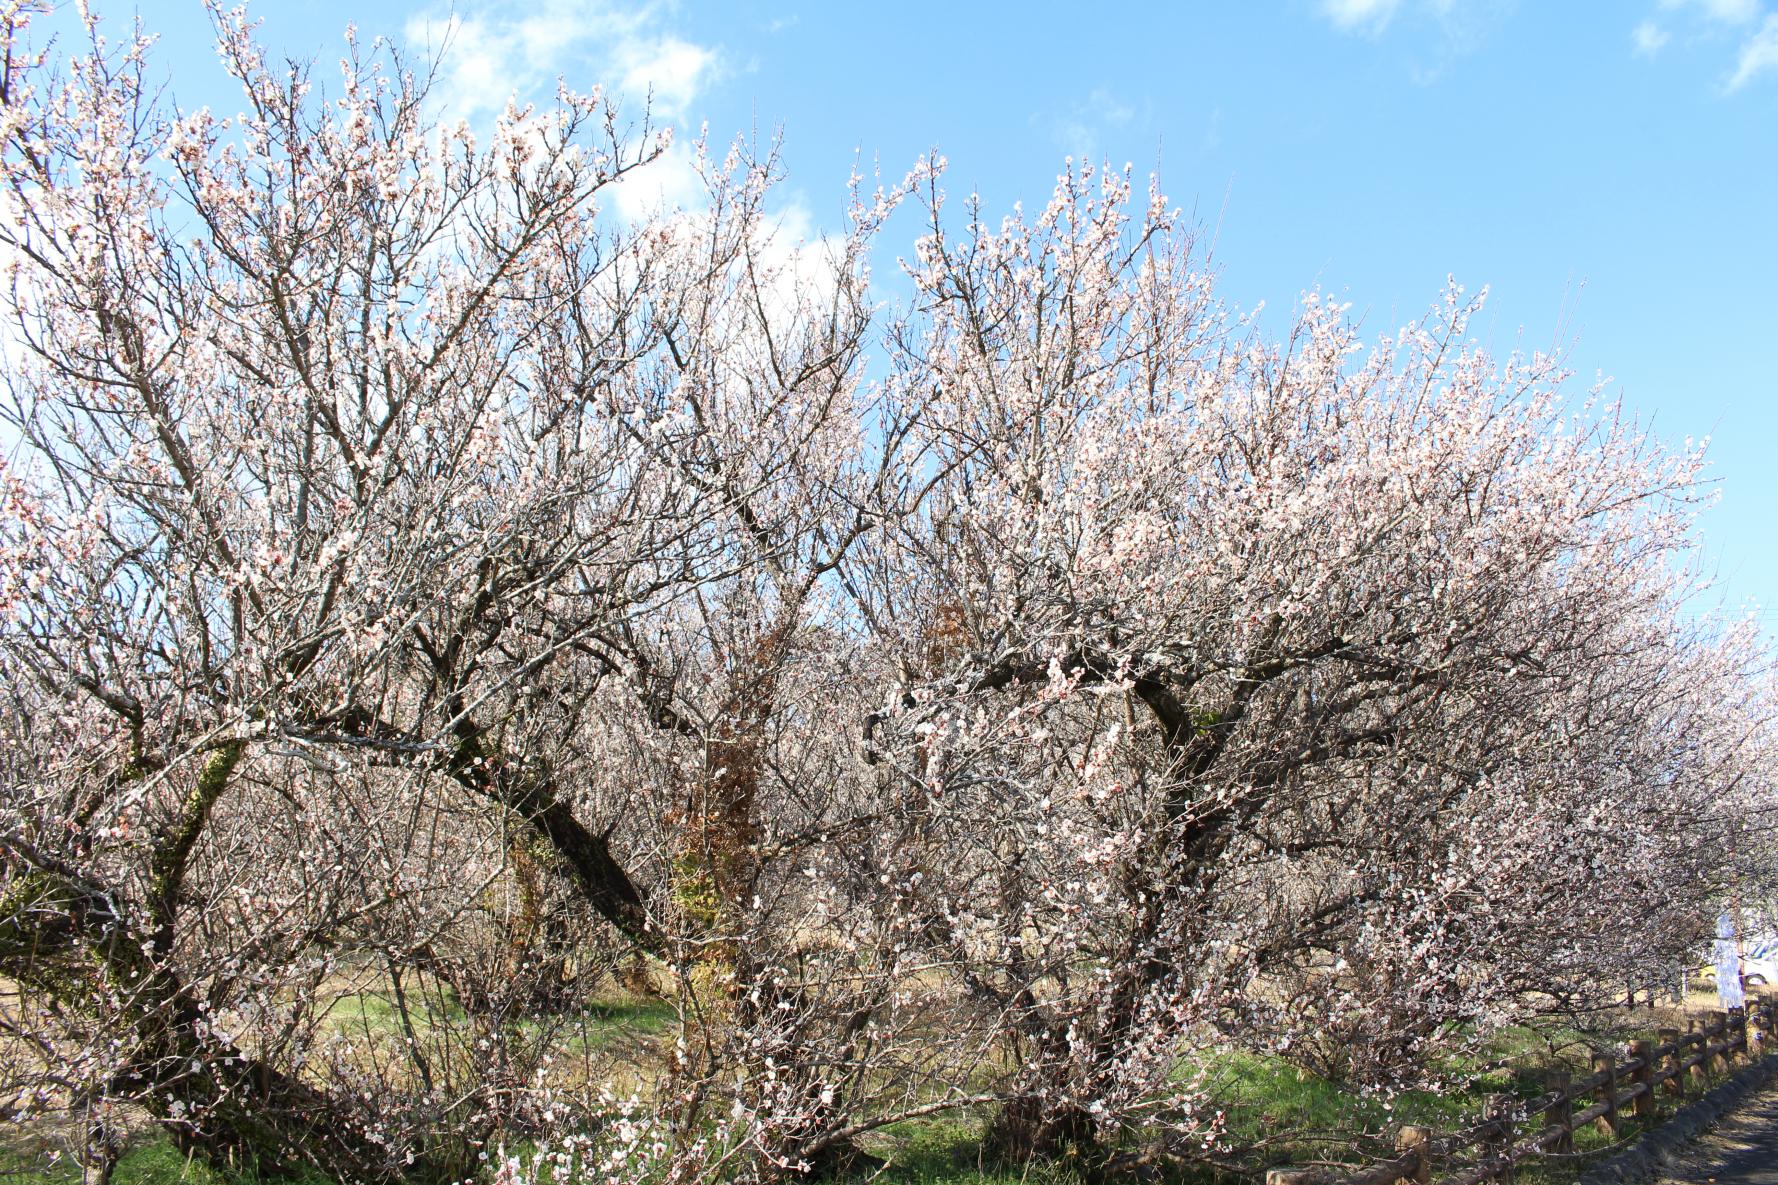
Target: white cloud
[[1713, 20], [1723, 12], [1649, 38], [670, 182], [1354, 16], [1758, 54], [666, 68], [803, 266], [487, 56], [1443, 30], [1077, 131]]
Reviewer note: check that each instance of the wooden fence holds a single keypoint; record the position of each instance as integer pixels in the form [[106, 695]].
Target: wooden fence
[[1514, 1130]]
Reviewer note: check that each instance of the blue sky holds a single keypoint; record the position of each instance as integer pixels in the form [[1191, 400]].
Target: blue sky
[[1609, 170]]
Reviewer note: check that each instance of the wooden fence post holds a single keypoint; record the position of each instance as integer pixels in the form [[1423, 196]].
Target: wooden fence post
[[1606, 1092], [1699, 1073], [1289, 1176], [1417, 1139], [1674, 1083], [1644, 1075], [1561, 1111], [1719, 1029], [1499, 1142], [1737, 1036]]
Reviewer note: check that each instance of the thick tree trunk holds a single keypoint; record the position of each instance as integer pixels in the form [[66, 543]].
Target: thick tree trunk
[[602, 881], [1028, 1128]]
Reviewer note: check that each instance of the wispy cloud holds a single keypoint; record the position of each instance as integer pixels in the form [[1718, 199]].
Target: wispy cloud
[[488, 53], [1710, 22], [1078, 131], [1360, 16], [1648, 38], [1435, 33], [487, 56], [1723, 12], [670, 70], [1759, 54], [670, 182], [1460, 22]]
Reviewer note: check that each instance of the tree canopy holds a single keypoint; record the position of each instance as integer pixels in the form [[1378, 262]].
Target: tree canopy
[[994, 698]]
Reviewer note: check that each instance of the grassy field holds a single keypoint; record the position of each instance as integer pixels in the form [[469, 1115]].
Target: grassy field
[[1275, 1113], [153, 1161]]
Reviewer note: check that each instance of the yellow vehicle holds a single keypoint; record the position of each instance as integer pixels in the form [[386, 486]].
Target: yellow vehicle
[[1759, 965]]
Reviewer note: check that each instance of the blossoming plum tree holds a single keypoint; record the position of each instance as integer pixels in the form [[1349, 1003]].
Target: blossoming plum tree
[[410, 575], [1325, 692]]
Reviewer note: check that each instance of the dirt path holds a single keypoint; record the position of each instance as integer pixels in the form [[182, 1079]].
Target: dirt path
[[1743, 1150]]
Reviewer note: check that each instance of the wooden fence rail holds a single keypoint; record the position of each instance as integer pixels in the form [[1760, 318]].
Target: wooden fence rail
[[1512, 1131]]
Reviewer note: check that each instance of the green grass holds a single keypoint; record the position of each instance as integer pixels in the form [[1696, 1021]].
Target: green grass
[[1266, 1095], [1274, 1113], [948, 1151], [1295, 1117], [642, 1016], [153, 1161], [604, 1023], [375, 1011]]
